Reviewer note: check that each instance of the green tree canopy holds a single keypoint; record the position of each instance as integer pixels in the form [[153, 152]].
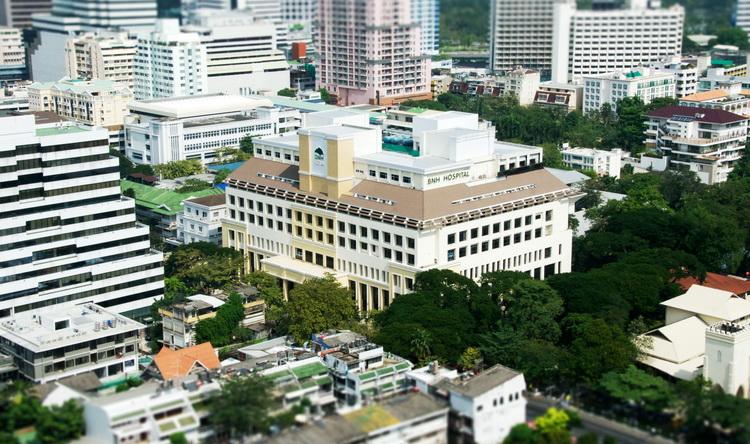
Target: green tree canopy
[[241, 407], [317, 305], [204, 266], [178, 168], [636, 386]]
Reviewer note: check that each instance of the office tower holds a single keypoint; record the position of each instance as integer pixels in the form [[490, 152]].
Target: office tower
[[241, 53], [427, 14], [17, 13], [370, 52], [101, 55], [262, 9], [67, 235], [68, 19], [12, 55], [163, 53], [742, 14], [296, 11], [596, 42], [521, 35]]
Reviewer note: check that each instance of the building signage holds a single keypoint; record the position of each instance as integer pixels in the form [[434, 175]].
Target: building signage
[[450, 177]]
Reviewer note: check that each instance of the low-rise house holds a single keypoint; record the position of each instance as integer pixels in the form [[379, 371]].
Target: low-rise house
[[200, 220], [53, 343], [178, 364], [732, 99], [562, 96], [520, 82], [601, 162]]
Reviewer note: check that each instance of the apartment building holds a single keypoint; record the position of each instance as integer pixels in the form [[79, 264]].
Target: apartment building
[[334, 200], [200, 220], [742, 14], [12, 55], [733, 99], [706, 141], [613, 87], [521, 34], [178, 128], [57, 342], [601, 162], [382, 29], [93, 102], [164, 52], [17, 13], [563, 96], [68, 19], [102, 55], [685, 74], [67, 233], [299, 11], [241, 53], [589, 42], [427, 14], [520, 82]]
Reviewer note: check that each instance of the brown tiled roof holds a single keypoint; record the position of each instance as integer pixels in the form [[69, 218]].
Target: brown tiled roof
[[212, 200], [706, 95], [178, 363], [410, 203], [732, 284], [700, 114]]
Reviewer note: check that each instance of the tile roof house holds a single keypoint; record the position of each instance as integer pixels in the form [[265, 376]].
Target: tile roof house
[[173, 364], [732, 284]]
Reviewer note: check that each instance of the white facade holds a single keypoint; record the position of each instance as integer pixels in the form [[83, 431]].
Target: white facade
[[71, 237], [101, 55], [601, 162], [11, 47], [93, 102], [730, 99], [241, 54], [299, 11], [201, 218], [55, 342], [742, 14], [590, 42], [610, 88], [423, 205], [727, 358], [160, 131], [427, 14], [685, 74], [170, 63]]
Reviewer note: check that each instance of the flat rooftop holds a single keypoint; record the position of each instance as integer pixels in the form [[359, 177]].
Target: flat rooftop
[[196, 106], [59, 130], [63, 325], [481, 383], [218, 120]]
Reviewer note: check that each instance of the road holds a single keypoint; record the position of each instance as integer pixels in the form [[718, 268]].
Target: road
[[624, 434]]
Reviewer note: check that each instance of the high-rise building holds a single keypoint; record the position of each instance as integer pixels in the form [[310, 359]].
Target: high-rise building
[[262, 9], [742, 14], [370, 52], [17, 13], [170, 63], [67, 233], [101, 55], [588, 42], [12, 55], [427, 14], [521, 35], [69, 18], [295, 11], [241, 53]]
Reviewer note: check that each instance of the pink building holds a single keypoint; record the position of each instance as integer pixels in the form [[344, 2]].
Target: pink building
[[370, 52]]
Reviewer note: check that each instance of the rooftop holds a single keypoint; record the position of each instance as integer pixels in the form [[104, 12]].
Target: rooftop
[[732, 284], [212, 200], [63, 325], [706, 95], [301, 105], [80, 86], [699, 114], [711, 302], [196, 106], [677, 349], [179, 363], [59, 130], [163, 201], [481, 383]]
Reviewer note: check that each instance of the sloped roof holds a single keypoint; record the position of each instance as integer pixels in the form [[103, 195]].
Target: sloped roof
[[711, 302], [700, 114], [677, 349], [178, 363], [212, 200], [162, 201], [706, 95], [732, 284]]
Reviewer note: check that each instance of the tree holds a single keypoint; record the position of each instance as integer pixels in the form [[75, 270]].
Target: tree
[[231, 155], [193, 186], [553, 426], [712, 415], [470, 358], [317, 305], [204, 266], [523, 434], [130, 192], [178, 438], [241, 407], [588, 438], [731, 35], [178, 168], [635, 386], [62, 423], [287, 92], [221, 176], [533, 309], [222, 329], [273, 296], [326, 96], [421, 344], [246, 145]]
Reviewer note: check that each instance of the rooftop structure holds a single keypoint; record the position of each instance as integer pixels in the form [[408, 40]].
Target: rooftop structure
[[176, 364], [732, 284]]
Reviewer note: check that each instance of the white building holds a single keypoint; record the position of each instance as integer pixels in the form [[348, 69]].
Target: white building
[[612, 87], [170, 63], [588, 42], [742, 14], [732, 99], [706, 141], [102, 55], [685, 73], [163, 130], [483, 407], [150, 413], [70, 18], [519, 82], [333, 200], [299, 11], [57, 342], [17, 14], [201, 219], [727, 358], [93, 102], [601, 162], [241, 53], [427, 14], [12, 55], [71, 236]]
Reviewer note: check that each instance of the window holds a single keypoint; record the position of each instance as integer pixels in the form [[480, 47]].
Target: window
[[383, 175], [352, 229], [451, 255], [406, 179], [410, 242], [506, 225], [462, 236], [548, 215], [319, 221], [387, 253], [495, 243], [410, 259], [342, 242], [474, 233], [386, 237], [462, 252], [485, 230], [308, 218], [485, 246], [395, 177], [548, 252], [363, 231], [352, 244], [375, 234], [452, 238], [517, 223], [372, 173], [527, 235], [527, 220], [399, 240], [517, 238], [496, 227], [474, 249]]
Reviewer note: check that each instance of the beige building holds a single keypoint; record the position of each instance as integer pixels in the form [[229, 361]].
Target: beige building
[[11, 47], [93, 102], [101, 56]]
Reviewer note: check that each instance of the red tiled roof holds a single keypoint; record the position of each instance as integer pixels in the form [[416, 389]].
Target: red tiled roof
[[700, 114], [178, 363], [732, 284]]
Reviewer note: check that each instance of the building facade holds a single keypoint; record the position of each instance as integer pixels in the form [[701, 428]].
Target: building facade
[[68, 235], [427, 14], [612, 87], [563, 96], [93, 102], [299, 11], [163, 53], [742, 14], [601, 162], [732, 99], [57, 342], [706, 141], [17, 13], [520, 82], [102, 55], [201, 218], [386, 68], [685, 73], [12, 55], [338, 200]]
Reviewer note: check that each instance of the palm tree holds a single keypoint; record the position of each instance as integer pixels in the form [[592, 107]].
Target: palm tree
[[420, 344]]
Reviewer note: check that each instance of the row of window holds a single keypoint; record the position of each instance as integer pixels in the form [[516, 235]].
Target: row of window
[[507, 225], [495, 243]]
